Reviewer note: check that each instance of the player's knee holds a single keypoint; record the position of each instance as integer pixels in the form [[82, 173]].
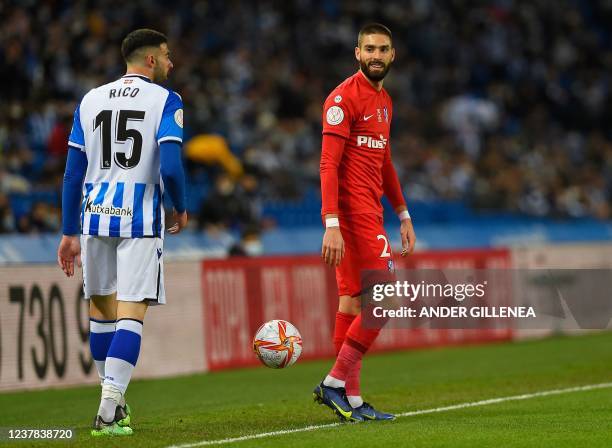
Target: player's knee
[[356, 306], [103, 307], [132, 310], [349, 305]]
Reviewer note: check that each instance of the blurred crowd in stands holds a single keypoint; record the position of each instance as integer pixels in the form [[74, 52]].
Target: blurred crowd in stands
[[503, 105]]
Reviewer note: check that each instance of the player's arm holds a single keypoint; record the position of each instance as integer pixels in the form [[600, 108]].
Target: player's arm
[[393, 191], [332, 249], [76, 166], [170, 140], [70, 248], [171, 168]]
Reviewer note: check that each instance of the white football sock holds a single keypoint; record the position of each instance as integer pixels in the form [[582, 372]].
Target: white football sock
[[123, 354], [355, 400], [111, 397], [101, 334], [330, 381]]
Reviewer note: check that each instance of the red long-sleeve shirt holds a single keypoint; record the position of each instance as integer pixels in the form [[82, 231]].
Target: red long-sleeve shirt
[[356, 167]]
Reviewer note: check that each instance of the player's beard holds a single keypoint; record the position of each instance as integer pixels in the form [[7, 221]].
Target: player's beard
[[159, 73], [374, 76]]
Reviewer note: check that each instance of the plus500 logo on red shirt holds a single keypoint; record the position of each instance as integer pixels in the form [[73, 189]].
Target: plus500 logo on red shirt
[[370, 142]]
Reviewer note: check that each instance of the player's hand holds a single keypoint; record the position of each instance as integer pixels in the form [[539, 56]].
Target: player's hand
[[69, 249], [180, 222], [408, 237], [332, 250]]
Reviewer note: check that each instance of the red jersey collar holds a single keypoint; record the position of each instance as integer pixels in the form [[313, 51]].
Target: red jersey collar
[[361, 78]]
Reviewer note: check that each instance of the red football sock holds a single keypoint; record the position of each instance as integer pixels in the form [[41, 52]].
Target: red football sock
[[347, 358], [361, 338], [343, 322], [358, 341], [352, 386]]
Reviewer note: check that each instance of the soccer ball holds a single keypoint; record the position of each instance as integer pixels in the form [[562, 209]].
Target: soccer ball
[[277, 344]]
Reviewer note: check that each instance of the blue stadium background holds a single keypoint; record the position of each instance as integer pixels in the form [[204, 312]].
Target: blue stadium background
[[501, 132]]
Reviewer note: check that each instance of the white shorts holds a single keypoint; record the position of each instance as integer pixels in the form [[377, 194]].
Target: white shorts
[[132, 267]]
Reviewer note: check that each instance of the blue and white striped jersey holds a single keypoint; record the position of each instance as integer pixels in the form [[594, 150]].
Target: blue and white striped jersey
[[120, 126]]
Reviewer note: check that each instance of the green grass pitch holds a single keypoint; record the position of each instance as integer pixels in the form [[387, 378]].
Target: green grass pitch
[[257, 400]]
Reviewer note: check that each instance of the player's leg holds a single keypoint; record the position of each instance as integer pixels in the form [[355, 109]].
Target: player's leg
[[99, 283], [345, 377], [347, 280], [99, 257], [348, 366], [333, 394], [358, 340], [102, 320], [121, 359], [348, 309], [139, 284], [102, 327]]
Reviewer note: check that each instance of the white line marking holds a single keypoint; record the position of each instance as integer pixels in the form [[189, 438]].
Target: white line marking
[[403, 414], [511, 398]]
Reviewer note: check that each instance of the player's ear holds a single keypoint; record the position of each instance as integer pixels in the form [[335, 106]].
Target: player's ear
[[357, 53], [392, 54]]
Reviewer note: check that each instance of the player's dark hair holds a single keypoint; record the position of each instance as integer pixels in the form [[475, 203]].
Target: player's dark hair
[[373, 28], [141, 38]]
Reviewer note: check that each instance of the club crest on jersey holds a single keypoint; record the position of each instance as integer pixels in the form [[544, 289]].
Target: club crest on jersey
[[372, 143], [334, 115], [386, 112], [178, 118]]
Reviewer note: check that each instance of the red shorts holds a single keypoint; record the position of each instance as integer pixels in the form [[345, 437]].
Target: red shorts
[[367, 248]]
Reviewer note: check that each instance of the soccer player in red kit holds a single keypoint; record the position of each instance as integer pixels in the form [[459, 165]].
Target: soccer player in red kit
[[356, 170]]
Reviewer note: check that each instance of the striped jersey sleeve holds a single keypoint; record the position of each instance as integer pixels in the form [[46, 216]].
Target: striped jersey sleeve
[[171, 124], [77, 138]]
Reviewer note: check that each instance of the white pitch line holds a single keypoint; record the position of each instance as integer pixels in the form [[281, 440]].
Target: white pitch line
[[403, 414], [255, 436], [544, 393]]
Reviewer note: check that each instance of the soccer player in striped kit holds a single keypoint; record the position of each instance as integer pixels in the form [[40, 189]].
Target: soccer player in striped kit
[[356, 170], [124, 153]]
